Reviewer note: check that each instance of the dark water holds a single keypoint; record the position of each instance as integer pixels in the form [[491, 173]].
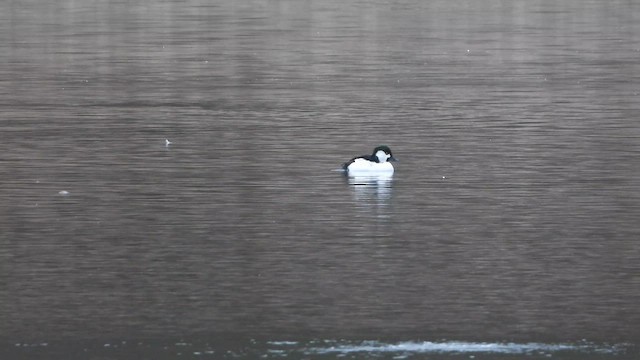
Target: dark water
[[509, 230]]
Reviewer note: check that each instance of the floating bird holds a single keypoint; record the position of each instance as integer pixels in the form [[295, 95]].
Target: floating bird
[[379, 162]]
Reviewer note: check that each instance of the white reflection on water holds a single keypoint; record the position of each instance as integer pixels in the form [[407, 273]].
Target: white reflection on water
[[372, 190]]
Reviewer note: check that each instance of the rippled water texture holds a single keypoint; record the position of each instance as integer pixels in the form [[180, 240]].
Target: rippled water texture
[[512, 216]]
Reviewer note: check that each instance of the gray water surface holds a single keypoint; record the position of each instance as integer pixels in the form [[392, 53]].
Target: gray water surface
[[513, 214]]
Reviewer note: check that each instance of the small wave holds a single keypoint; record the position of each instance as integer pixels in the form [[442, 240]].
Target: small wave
[[457, 347], [202, 349]]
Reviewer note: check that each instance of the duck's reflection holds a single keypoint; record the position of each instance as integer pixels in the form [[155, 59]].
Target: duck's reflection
[[372, 190]]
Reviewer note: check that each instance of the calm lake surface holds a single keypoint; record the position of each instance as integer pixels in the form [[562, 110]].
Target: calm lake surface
[[511, 228]]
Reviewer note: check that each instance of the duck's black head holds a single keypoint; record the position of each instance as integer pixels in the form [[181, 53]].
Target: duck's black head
[[383, 153]]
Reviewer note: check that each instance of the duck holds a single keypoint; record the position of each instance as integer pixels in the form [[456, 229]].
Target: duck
[[379, 162]]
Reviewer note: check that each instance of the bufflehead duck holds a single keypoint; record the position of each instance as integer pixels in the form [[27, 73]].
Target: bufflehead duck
[[377, 162]]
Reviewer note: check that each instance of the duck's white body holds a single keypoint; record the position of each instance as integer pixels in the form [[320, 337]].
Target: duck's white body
[[366, 167], [376, 163]]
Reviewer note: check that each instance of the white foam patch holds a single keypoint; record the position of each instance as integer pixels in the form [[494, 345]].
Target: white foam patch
[[455, 347], [289, 343]]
